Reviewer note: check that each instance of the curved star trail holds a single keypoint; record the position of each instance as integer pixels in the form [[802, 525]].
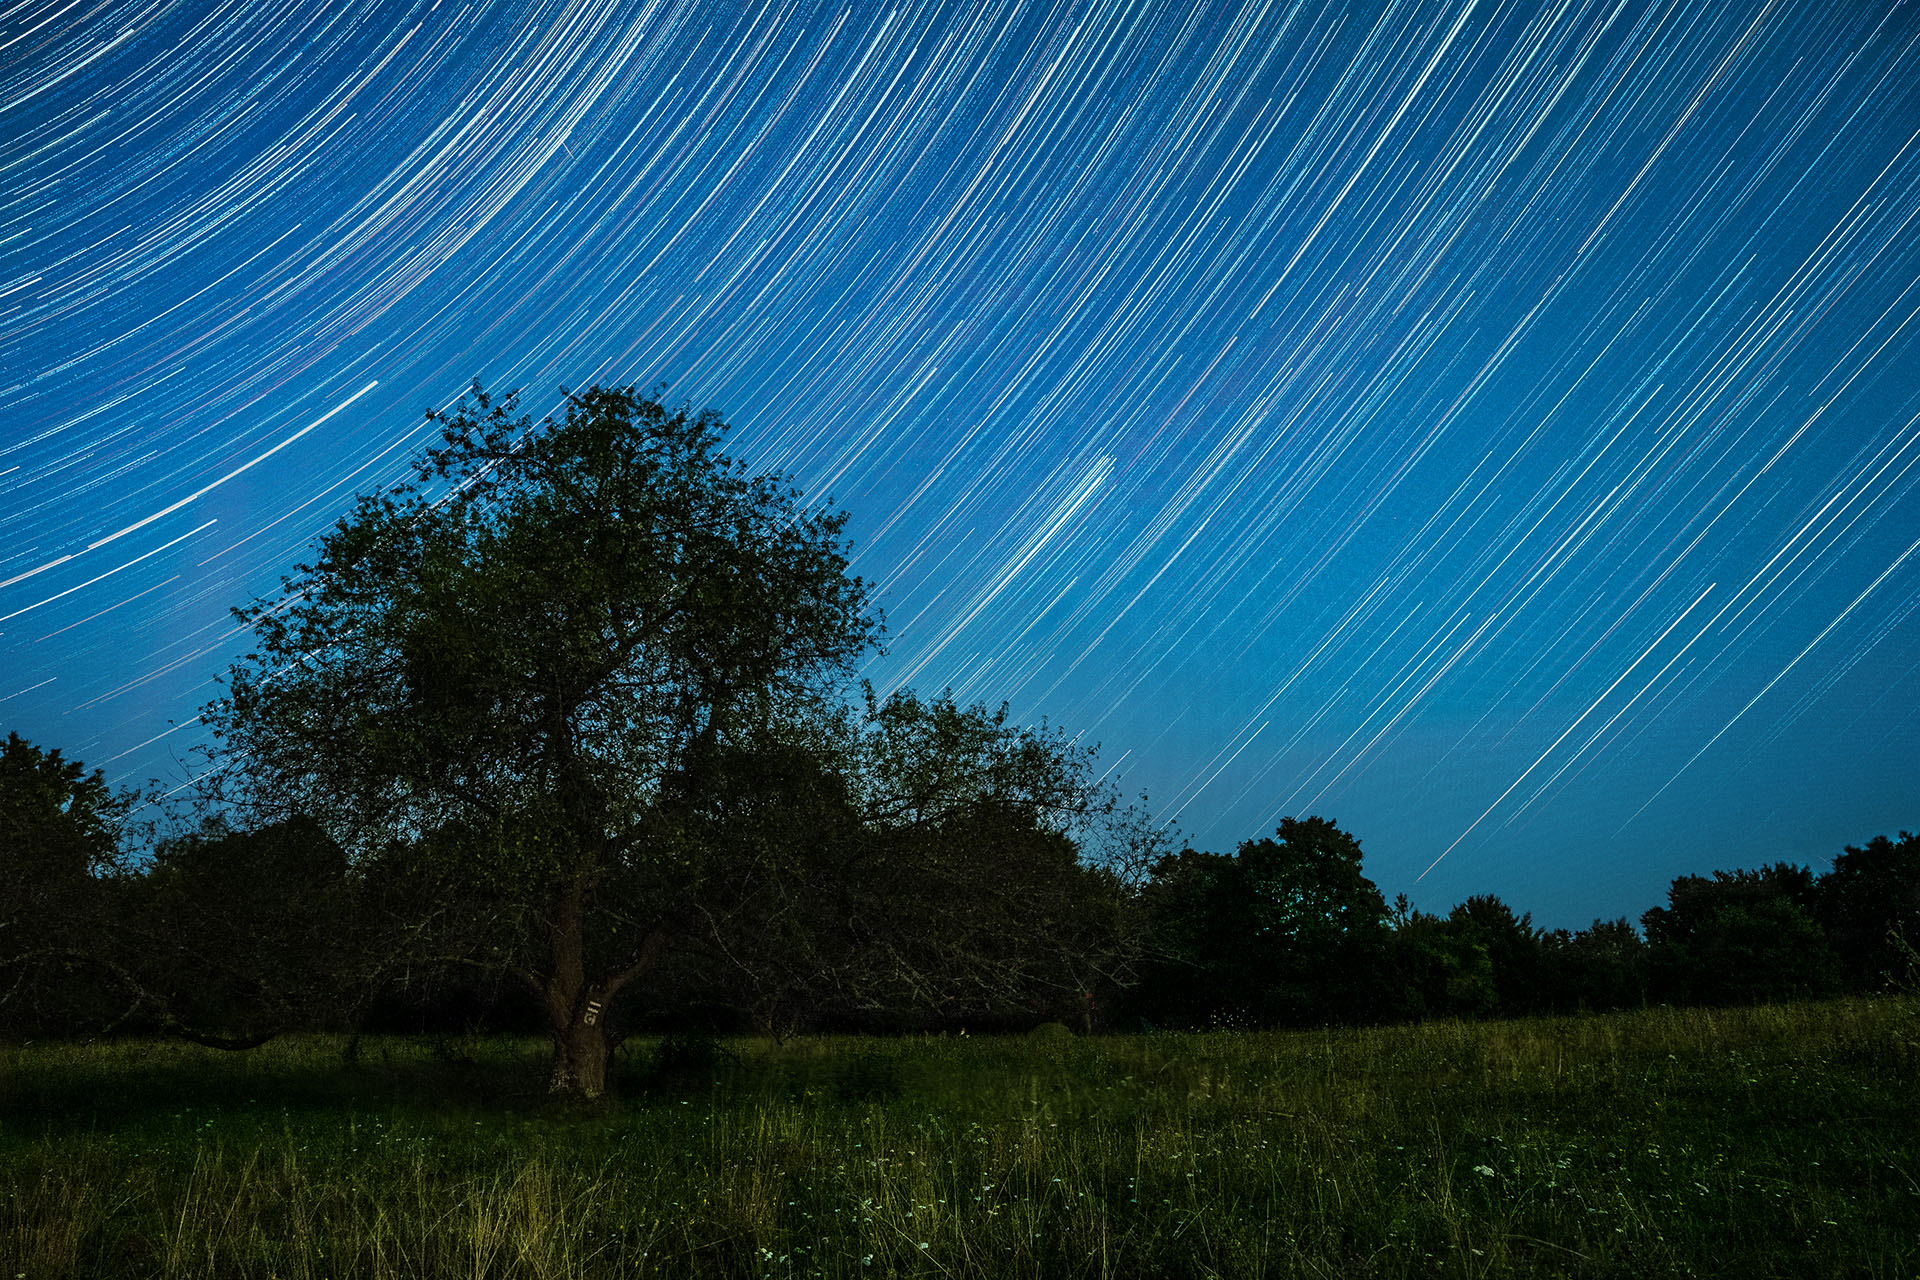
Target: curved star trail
[[1494, 426]]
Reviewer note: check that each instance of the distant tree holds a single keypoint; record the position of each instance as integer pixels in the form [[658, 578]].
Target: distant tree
[[1186, 977], [974, 828], [526, 675], [1439, 966], [232, 937], [924, 862], [1740, 937], [1515, 949], [1869, 902], [1322, 922], [781, 831], [1603, 966], [61, 833], [1287, 930]]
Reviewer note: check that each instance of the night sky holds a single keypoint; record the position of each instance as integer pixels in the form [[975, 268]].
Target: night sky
[[1495, 427]]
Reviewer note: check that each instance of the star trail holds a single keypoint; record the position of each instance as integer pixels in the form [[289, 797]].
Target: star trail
[[1493, 426]]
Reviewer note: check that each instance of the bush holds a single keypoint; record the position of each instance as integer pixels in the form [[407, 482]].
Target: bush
[[689, 1058]]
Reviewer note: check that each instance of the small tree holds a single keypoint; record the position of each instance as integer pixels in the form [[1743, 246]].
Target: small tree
[[523, 677]]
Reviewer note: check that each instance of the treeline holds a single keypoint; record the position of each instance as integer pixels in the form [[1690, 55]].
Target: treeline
[[933, 888], [231, 936], [1288, 931], [564, 732]]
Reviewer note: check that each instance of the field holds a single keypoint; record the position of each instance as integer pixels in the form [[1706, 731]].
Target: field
[[1781, 1141]]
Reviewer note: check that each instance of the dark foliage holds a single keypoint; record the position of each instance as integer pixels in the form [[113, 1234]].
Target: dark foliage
[[1740, 937], [1285, 931], [1442, 966], [1516, 952], [243, 934], [61, 833], [1603, 966], [1869, 905], [526, 677], [921, 859]]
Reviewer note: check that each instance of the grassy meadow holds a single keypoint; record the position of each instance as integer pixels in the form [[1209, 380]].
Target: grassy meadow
[[1778, 1141]]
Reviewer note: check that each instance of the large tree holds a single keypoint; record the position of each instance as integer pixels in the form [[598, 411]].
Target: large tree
[[526, 677]]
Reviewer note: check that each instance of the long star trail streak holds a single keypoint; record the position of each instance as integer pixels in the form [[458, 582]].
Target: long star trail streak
[[1324, 407]]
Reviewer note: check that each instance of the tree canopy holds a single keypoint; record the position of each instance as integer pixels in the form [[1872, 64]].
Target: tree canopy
[[922, 857], [1870, 905]]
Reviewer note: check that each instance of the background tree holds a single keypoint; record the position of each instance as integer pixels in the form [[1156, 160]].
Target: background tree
[[1868, 902], [61, 833], [525, 671], [785, 833], [973, 827], [1287, 930], [922, 861], [1188, 976], [1515, 950], [233, 937], [1440, 966], [1603, 966], [1740, 937]]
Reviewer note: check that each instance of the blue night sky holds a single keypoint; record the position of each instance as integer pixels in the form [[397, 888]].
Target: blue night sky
[[1493, 426]]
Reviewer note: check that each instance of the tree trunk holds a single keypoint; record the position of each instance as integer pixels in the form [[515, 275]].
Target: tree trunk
[[579, 1036], [580, 1058]]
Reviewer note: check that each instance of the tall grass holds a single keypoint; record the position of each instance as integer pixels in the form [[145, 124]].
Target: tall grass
[[1772, 1141]]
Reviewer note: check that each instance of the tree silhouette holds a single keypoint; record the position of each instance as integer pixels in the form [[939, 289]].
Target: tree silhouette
[[1286, 930], [1740, 937], [61, 830], [1870, 902]]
